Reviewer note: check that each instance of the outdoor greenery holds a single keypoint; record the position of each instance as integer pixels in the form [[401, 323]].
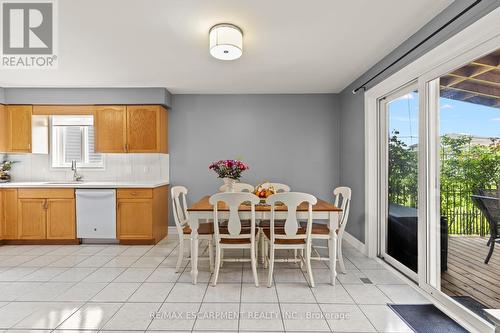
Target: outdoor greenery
[[465, 167]]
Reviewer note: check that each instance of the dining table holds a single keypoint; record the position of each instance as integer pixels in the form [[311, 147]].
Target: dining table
[[202, 210]]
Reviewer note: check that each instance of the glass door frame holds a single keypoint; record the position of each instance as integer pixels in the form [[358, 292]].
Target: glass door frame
[[479, 39], [383, 178]]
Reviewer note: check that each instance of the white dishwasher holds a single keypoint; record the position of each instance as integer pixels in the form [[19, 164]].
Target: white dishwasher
[[96, 214]]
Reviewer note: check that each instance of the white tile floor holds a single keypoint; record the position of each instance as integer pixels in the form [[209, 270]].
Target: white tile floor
[[116, 288]]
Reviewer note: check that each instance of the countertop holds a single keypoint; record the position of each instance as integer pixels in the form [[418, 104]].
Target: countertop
[[83, 184]]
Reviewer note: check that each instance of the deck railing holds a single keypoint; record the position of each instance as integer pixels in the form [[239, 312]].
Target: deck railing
[[463, 217]]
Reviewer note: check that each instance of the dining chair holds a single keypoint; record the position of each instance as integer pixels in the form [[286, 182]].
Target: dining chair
[[322, 230], [265, 224], [278, 187], [234, 235], [291, 236], [181, 218], [239, 187]]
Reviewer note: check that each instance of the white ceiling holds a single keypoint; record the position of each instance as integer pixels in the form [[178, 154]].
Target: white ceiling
[[290, 46]]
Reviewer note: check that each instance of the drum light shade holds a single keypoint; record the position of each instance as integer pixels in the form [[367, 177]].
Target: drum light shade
[[226, 42]]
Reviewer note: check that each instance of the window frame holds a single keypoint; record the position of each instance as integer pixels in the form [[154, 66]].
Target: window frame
[[57, 143]]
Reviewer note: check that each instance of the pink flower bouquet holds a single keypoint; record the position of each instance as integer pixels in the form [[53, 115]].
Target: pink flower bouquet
[[229, 168]]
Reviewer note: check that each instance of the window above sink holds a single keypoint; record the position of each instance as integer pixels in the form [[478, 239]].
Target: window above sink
[[72, 138]]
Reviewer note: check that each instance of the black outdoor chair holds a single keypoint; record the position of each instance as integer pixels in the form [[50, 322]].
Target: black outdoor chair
[[488, 202]]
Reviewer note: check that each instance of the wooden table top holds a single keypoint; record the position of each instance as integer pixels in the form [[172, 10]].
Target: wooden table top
[[321, 206]]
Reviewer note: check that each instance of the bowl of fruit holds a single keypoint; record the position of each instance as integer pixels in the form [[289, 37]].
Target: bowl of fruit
[[263, 193]]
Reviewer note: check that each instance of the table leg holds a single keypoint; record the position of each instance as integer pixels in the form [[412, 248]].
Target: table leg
[[193, 224], [332, 245]]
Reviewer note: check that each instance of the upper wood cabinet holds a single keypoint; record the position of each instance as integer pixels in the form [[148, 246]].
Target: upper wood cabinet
[[132, 129], [4, 122], [15, 128], [110, 125]]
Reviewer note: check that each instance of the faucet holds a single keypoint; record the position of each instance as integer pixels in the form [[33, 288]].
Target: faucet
[[76, 176]]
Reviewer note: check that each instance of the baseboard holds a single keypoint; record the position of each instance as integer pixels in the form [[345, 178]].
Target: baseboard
[[353, 241]]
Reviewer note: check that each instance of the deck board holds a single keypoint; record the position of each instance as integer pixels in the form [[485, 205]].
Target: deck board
[[467, 275]]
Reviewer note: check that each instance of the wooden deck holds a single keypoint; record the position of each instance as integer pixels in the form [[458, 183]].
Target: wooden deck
[[467, 274]]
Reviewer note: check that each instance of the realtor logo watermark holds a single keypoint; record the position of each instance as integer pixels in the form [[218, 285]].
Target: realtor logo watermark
[[28, 34]]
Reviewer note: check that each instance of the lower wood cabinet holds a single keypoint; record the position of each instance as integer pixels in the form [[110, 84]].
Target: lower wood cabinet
[[134, 219], [32, 218], [61, 219], [46, 214], [8, 214], [142, 215]]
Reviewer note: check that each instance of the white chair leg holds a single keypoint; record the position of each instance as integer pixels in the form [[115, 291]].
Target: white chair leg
[[295, 255], [262, 242], [180, 256], [218, 251], [271, 267], [308, 266], [332, 249], [254, 264], [301, 263], [340, 257], [211, 254], [266, 252], [221, 258]]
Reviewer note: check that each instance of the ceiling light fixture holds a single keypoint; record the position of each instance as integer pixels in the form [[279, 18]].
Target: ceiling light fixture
[[226, 41]]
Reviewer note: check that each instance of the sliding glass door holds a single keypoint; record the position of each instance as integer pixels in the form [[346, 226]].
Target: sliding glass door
[[466, 110], [433, 166], [399, 175]]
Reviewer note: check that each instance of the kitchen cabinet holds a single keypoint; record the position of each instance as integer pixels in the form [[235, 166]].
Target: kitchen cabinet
[[19, 128], [8, 214], [61, 219], [142, 215], [46, 214], [131, 129], [110, 125], [134, 219], [31, 218], [4, 142], [146, 125]]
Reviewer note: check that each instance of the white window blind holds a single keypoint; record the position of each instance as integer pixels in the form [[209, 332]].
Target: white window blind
[[73, 139]]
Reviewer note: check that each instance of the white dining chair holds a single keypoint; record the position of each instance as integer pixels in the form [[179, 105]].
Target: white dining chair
[[278, 187], [322, 230], [292, 236], [234, 235], [238, 187], [181, 218]]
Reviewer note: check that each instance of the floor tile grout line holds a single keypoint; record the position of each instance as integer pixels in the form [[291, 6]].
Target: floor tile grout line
[[89, 300], [359, 308], [173, 286]]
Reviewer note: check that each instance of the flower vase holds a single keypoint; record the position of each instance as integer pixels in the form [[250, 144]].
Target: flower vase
[[229, 184]]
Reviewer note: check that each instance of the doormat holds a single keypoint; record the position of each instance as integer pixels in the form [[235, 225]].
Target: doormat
[[426, 318]]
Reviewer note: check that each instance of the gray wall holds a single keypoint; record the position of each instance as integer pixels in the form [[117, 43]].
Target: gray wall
[[352, 106], [292, 139], [87, 96]]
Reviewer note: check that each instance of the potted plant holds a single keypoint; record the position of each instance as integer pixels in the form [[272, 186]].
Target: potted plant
[[5, 167], [229, 170]]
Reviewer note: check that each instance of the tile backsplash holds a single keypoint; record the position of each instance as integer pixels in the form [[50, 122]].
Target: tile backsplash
[[117, 167]]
